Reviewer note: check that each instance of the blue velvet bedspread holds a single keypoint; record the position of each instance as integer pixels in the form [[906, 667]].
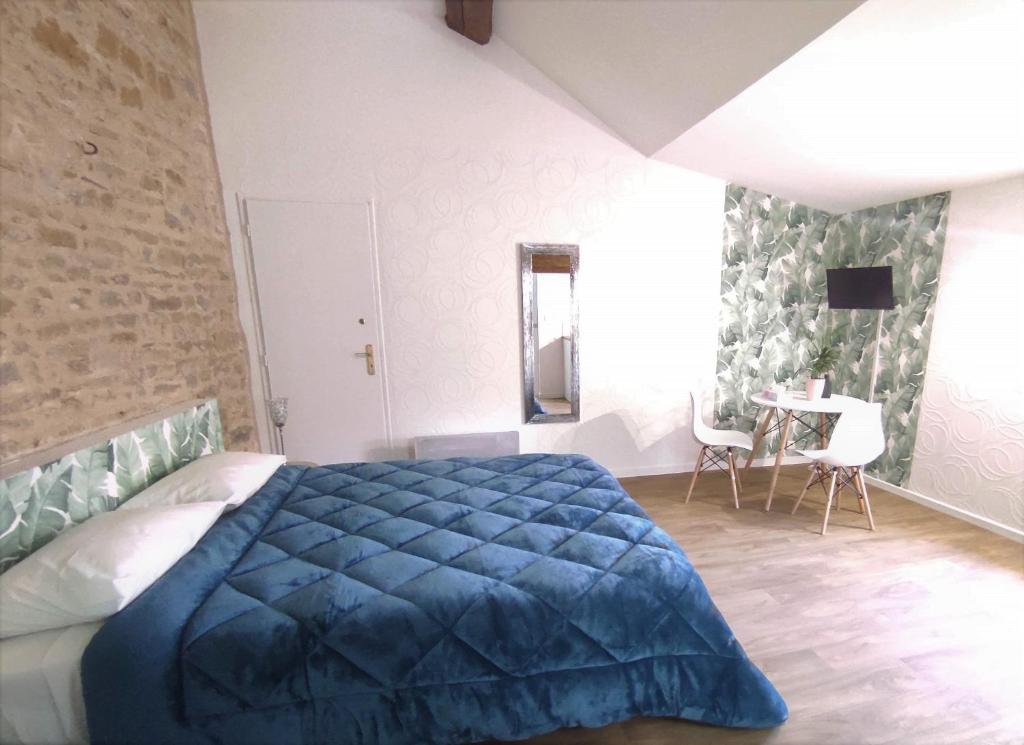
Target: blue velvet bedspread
[[445, 601]]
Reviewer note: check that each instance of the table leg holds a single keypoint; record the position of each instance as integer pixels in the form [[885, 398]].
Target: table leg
[[783, 442], [769, 412], [822, 439]]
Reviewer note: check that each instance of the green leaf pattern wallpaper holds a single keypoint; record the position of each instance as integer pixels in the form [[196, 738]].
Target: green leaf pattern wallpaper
[[773, 307], [37, 504]]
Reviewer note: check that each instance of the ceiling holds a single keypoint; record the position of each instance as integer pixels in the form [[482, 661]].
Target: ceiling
[[651, 69], [902, 98], [838, 105]]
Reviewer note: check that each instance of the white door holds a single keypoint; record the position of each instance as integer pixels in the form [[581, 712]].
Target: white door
[[316, 294]]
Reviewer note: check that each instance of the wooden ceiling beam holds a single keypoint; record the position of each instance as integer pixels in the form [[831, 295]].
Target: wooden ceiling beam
[[471, 18]]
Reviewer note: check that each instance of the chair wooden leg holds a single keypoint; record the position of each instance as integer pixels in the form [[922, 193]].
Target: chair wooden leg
[[824, 477], [696, 473], [828, 504], [769, 412], [803, 492], [732, 477], [864, 495], [839, 491], [861, 489], [855, 484]]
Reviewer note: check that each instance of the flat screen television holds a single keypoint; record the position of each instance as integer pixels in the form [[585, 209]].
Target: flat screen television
[[860, 287]]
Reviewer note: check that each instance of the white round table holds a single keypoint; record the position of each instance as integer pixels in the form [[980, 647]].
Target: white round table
[[789, 406]]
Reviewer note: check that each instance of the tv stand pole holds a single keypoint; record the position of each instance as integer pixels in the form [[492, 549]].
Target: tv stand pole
[[878, 349]]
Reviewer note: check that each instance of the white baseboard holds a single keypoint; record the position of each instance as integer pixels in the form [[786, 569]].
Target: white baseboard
[[688, 466], [982, 522]]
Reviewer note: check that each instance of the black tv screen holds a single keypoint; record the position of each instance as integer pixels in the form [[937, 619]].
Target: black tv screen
[[861, 287]]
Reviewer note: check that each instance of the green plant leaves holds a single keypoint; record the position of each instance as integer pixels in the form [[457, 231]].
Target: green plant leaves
[[129, 466], [772, 277], [37, 504], [774, 257]]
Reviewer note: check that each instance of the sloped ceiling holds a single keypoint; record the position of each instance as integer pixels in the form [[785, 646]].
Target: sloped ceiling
[[651, 69], [901, 98], [839, 105]]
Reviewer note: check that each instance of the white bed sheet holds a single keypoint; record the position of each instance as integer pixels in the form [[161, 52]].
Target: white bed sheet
[[41, 686]]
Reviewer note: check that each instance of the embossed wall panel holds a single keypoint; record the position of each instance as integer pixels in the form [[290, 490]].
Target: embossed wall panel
[[970, 442], [448, 237], [466, 151]]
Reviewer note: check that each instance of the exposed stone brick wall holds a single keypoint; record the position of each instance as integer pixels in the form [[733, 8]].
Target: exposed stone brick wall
[[117, 291]]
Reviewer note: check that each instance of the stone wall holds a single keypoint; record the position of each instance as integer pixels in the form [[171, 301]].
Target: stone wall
[[117, 291]]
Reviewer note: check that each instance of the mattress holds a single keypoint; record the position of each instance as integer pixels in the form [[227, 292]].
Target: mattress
[[40, 686], [442, 601]]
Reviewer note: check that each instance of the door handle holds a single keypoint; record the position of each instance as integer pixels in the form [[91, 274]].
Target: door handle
[[371, 369]]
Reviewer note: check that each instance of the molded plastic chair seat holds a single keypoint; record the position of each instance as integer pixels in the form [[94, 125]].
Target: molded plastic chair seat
[[712, 439], [726, 438], [823, 456], [857, 440]]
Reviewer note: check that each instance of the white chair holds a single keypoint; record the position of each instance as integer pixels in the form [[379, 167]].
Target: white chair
[[713, 441], [857, 440]]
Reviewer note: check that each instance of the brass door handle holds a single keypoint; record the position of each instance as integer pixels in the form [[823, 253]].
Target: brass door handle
[[371, 369]]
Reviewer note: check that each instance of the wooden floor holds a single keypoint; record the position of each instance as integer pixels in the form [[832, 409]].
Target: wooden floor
[[911, 634]]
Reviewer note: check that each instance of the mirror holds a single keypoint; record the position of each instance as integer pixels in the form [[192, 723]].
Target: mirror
[[551, 354]]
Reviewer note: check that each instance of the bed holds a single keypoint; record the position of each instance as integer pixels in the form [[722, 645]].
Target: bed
[[41, 686], [442, 601]]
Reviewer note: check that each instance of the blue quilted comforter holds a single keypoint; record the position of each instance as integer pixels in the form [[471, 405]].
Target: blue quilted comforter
[[444, 601]]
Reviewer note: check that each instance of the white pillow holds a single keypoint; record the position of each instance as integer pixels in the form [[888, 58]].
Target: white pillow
[[229, 478], [93, 570]]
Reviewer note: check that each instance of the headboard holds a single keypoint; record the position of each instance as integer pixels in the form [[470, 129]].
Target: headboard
[[46, 492]]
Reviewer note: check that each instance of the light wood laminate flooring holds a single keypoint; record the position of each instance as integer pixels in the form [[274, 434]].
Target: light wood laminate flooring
[[911, 634]]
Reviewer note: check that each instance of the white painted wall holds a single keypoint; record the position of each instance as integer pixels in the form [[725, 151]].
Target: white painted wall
[[969, 454], [467, 150]]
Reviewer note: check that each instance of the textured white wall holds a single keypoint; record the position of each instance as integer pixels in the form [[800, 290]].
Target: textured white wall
[[467, 150], [970, 439]]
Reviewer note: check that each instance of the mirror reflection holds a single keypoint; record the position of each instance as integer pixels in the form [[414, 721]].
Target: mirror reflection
[[550, 345]]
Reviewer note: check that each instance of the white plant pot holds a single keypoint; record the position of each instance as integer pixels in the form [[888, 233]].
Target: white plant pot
[[815, 387]]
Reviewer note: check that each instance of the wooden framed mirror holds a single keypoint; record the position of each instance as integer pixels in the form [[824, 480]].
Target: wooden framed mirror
[[550, 315]]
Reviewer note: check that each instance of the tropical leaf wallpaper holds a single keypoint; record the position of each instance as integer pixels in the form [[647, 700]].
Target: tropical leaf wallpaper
[[773, 308], [37, 504]]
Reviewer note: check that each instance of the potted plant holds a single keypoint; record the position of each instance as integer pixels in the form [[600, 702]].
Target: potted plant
[[823, 359]]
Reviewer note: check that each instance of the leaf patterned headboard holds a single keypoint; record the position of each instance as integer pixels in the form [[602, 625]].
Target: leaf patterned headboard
[[40, 501]]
